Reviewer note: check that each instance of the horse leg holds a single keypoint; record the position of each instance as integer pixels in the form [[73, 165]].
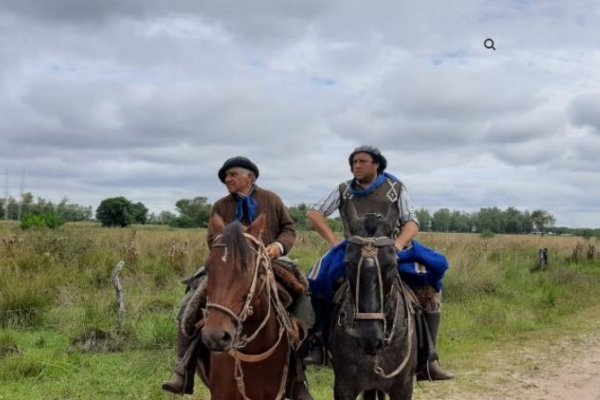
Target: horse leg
[[345, 390], [222, 384], [403, 389], [370, 394], [373, 394]]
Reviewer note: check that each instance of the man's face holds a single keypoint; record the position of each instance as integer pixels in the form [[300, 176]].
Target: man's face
[[364, 167], [238, 180]]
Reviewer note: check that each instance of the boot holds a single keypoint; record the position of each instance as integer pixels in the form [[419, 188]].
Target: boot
[[299, 391], [316, 355], [431, 369], [183, 382], [299, 387]]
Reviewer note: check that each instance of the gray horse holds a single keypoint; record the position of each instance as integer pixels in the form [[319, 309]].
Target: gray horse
[[373, 339]]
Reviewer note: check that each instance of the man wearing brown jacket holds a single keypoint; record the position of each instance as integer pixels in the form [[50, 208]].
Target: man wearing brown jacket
[[244, 203]]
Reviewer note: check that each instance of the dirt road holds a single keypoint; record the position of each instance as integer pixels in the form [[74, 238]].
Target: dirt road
[[571, 371], [565, 369]]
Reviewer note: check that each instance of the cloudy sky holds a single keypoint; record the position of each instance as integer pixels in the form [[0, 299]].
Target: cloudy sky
[[147, 98]]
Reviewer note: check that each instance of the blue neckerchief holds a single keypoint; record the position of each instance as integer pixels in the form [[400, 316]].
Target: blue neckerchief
[[378, 182], [246, 206]]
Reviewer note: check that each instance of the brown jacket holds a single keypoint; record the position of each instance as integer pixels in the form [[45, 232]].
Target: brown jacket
[[280, 226]]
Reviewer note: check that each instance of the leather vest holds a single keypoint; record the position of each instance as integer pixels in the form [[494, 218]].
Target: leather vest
[[380, 201]]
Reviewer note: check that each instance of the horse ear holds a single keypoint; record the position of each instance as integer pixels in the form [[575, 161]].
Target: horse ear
[[258, 226], [216, 224]]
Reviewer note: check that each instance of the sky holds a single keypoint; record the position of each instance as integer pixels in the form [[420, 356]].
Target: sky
[[146, 99]]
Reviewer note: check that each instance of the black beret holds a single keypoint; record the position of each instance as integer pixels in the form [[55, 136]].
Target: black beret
[[374, 152], [238, 161]]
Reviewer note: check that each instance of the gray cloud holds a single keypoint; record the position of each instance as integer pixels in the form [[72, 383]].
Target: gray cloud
[[147, 98], [583, 111]]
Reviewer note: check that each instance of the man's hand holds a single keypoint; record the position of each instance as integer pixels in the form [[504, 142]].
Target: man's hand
[[273, 251], [409, 231], [400, 245]]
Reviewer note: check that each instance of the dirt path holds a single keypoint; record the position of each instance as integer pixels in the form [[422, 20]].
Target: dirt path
[[570, 371], [564, 369]]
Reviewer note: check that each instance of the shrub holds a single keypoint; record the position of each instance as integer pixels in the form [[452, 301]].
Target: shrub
[[8, 346], [487, 234], [49, 220]]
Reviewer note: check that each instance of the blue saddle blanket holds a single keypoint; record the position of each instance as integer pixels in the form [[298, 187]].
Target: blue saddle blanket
[[418, 265]]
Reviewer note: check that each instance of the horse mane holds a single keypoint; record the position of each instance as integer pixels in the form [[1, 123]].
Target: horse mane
[[234, 240]]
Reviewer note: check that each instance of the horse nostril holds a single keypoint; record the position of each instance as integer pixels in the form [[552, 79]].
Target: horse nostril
[[225, 340]]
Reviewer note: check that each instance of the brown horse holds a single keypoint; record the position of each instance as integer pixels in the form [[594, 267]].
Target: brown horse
[[245, 327]]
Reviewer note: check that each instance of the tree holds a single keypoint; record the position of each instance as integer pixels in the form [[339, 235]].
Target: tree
[[490, 219], [192, 213], [424, 218], [298, 214], [542, 219], [73, 212], [460, 222], [118, 211], [441, 220], [139, 213], [164, 218]]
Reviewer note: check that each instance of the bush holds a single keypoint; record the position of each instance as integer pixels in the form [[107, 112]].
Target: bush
[[48, 220], [487, 234], [8, 346]]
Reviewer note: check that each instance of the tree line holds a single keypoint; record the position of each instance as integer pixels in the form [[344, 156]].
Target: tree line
[[195, 212], [40, 212]]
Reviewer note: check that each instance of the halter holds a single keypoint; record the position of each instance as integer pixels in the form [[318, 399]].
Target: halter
[[239, 342]]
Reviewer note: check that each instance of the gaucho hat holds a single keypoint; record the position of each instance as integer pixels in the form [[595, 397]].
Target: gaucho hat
[[238, 161], [373, 151]]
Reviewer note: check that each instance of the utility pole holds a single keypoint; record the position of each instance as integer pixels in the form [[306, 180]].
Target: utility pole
[[6, 194], [21, 200]]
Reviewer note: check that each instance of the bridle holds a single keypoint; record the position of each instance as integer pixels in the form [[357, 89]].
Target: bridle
[[370, 249], [263, 262]]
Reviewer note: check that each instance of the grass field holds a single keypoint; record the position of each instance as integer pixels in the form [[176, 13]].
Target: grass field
[[60, 336]]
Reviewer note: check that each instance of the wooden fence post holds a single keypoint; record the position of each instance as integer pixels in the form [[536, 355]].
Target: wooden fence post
[[119, 291]]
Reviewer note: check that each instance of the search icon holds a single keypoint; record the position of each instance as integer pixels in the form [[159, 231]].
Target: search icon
[[489, 44]]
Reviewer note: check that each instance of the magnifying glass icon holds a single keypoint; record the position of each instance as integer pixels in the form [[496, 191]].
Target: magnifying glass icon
[[489, 44]]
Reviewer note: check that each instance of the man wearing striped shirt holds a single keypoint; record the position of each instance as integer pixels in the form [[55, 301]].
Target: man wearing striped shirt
[[374, 190]]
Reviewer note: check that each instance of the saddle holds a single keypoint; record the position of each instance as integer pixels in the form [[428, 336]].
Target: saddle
[[289, 277], [292, 290]]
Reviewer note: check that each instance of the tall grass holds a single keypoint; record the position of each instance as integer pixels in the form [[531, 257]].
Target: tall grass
[[56, 291]]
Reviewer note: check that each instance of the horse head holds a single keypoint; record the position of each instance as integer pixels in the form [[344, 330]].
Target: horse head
[[233, 278], [371, 270]]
